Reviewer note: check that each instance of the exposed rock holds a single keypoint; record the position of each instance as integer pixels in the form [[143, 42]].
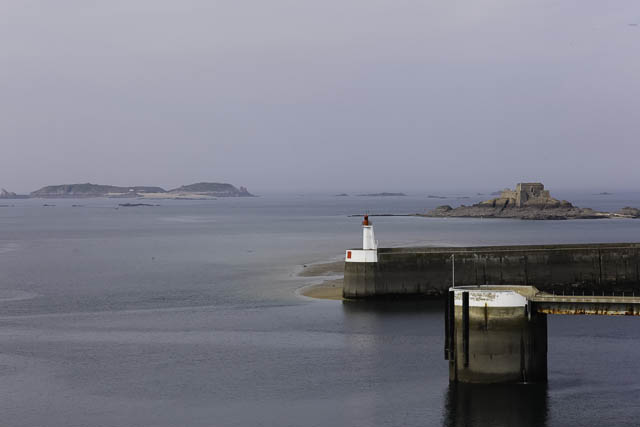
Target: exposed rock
[[526, 195], [4, 194], [381, 194], [629, 212], [441, 210], [527, 201]]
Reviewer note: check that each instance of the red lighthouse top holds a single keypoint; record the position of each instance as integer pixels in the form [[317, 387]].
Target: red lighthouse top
[[366, 220]]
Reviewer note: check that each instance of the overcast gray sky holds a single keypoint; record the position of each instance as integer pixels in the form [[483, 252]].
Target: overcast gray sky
[[297, 95]]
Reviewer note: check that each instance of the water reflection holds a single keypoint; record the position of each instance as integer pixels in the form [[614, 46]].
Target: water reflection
[[396, 349], [496, 405], [400, 306], [379, 319], [399, 348]]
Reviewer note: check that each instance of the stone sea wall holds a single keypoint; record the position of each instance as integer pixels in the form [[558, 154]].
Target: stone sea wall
[[427, 272]]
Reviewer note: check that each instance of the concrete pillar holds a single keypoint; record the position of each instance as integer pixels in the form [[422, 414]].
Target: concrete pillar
[[495, 337]]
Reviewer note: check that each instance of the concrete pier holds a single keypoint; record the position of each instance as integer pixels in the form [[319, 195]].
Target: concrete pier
[[494, 336], [498, 334], [612, 268]]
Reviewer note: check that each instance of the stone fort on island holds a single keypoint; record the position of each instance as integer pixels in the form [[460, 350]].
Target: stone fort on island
[[526, 194]]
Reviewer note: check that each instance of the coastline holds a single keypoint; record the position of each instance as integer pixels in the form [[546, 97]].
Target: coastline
[[331, 287]]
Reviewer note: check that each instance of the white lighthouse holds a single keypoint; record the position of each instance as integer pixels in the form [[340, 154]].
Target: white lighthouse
[[369, 251], [368, 238]]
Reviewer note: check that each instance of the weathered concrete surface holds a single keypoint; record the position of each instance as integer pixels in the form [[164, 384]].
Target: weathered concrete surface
[[426, 272], [504, 347], [494, 337], [604, 305]]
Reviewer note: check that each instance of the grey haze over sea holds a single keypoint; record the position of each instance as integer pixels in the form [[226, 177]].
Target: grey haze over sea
[[187, 314]]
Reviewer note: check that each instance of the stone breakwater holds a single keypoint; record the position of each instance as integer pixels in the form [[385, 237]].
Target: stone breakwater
[[427, 272]]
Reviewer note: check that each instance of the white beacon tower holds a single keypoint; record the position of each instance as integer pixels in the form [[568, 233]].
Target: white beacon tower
[[369, 251]]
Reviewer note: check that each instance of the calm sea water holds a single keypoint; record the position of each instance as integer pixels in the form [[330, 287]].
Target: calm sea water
[[187, 314]]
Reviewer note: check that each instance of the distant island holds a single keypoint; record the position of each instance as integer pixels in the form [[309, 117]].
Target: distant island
[[200, 190], [528, 201], [133, 205], [4, 194], [211, 189], [91, 190], [381, 195], [341, 195]]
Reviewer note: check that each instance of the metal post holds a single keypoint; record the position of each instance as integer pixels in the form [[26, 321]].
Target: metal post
[[465, 327], [452, 325], [446, 326], [453, 270]]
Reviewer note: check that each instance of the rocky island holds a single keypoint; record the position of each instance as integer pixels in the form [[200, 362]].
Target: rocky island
[[527, 201], [201, 190], [212, 189], [91, 190]]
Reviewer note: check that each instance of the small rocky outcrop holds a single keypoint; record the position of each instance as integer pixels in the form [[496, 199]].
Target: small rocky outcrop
[[441, 210], [382, 195], [629, 212], [4, 194]]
